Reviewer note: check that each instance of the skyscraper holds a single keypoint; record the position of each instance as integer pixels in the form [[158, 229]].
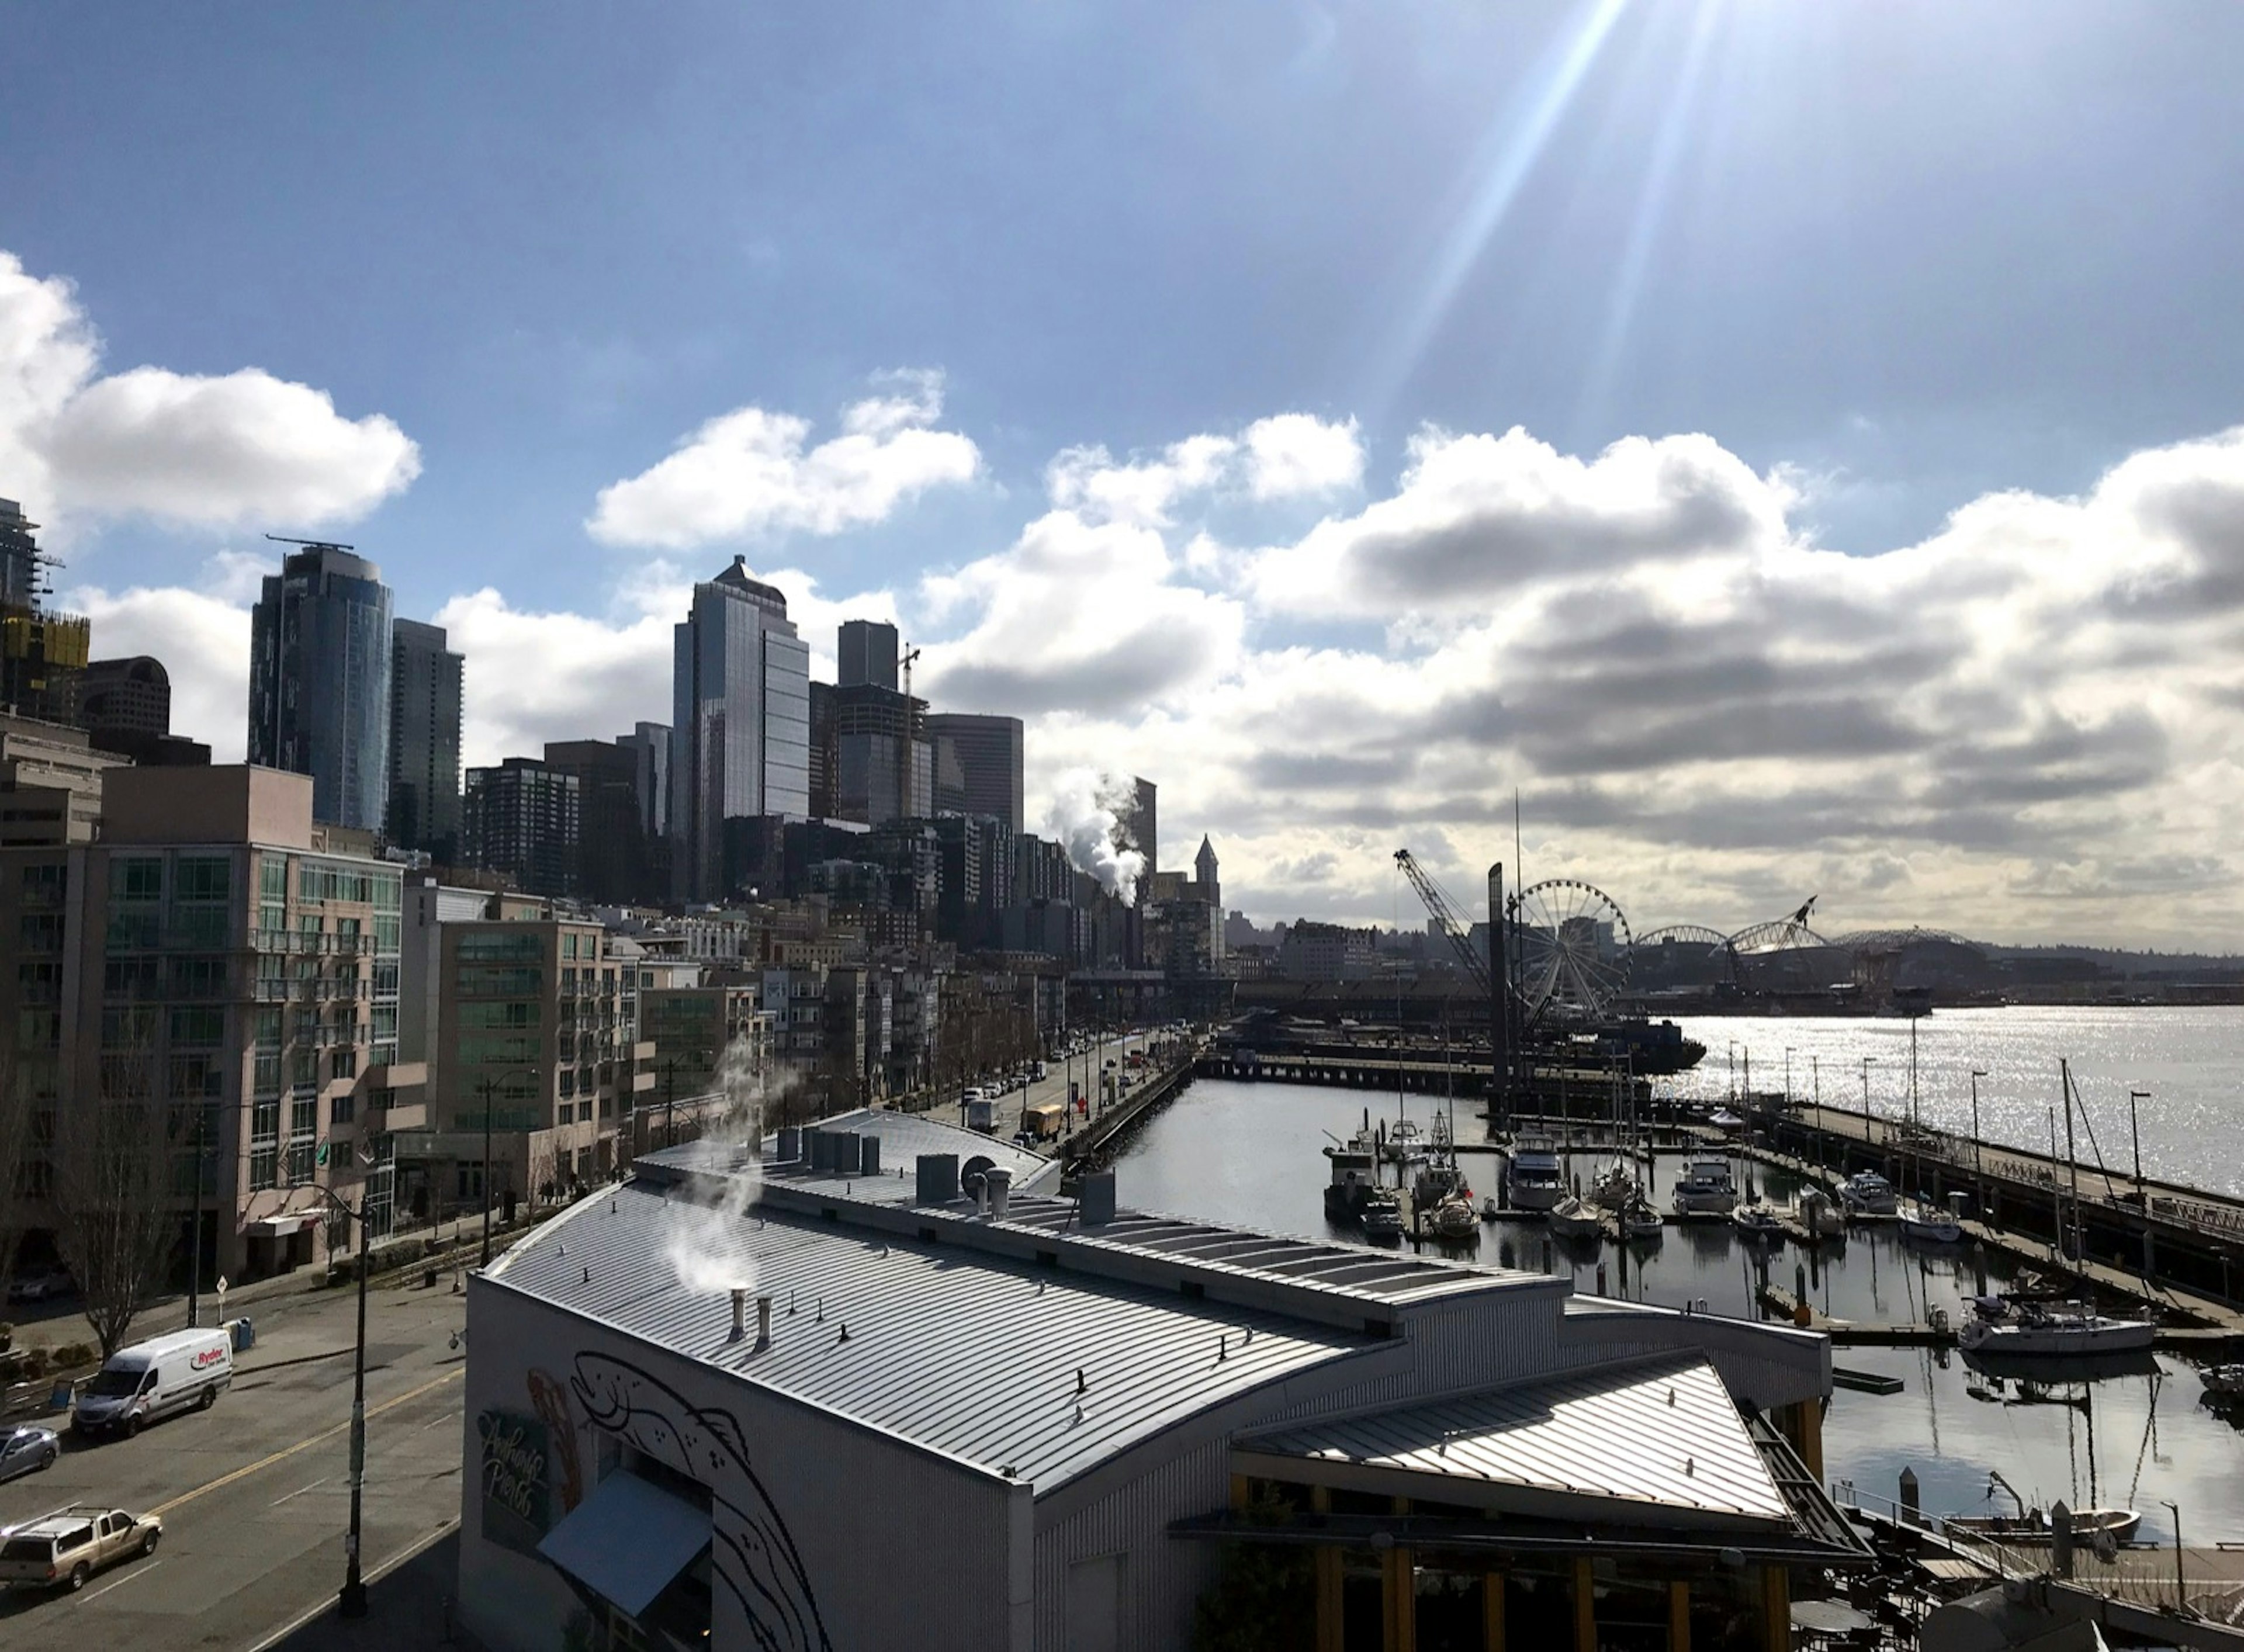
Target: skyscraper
[[424, 741], [649, 744], [977, 765], [42, 652], [522, 819], [871, 751], [867, 654], [318, 681], [741, 739]]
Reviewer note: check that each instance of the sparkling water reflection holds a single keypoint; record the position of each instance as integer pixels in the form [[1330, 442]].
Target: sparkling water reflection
[[1248, 1154]]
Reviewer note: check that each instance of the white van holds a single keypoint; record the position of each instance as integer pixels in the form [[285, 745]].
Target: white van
[[187, 1370]]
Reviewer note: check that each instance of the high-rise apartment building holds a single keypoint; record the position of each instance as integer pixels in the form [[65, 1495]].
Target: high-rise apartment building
[[212, 958], [424, 741], [741, 732], [649, 745], [318, 682], [42, 652], [612, 865], [522, 819], [978, 765], [1138, 825]]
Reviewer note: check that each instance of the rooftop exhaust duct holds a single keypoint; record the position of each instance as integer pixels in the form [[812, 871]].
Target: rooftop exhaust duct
[[822, 1151], [845, 1152], [998, 1184], [790, 1144], [1095, 1203], [869, 1155], [763, 1322], [739, 1315], [938, 1178]]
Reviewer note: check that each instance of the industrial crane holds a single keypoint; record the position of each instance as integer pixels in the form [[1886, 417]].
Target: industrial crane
[[1454, 929]]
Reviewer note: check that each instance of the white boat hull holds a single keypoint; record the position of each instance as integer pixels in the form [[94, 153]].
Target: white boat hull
[[2104, 1336]]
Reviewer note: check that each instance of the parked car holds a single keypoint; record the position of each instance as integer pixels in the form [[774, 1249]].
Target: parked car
[[153, 1379], [43, 1285], [62, 1551], [27, 1450]]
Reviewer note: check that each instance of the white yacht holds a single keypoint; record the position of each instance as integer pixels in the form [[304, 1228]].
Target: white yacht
[[2007, 1325], [1868, 1194], [1705, 1189], [1532, 1180]]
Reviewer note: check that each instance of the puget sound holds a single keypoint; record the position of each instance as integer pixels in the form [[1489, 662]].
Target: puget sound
[[1251, 1152]]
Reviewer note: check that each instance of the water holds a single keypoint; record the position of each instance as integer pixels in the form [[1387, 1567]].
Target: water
[[1249, 1154], [2190, 1060]]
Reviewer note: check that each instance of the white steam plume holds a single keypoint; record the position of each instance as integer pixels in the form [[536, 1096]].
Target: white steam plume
[[1086, 815], [710, 1245]]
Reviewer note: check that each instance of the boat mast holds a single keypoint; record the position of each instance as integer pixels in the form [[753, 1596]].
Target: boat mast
[[2065, 1070]]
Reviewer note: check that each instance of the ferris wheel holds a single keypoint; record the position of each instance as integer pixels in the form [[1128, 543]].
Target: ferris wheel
[[1573, 947]]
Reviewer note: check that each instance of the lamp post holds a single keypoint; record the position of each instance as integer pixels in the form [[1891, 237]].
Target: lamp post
[[1787, 1078], [2135, 1136], [352, 1601], [488, 1088], [1866, 1062], [195, 1239], [2181, 1597], [1979, 1143]]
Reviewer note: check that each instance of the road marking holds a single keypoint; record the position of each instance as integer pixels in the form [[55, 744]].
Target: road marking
[[286, 1451], [300, 1490], [88, 1600], [419, 1545]]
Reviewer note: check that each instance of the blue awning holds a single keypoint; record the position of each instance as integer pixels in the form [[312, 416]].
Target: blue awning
[[628, 1541]]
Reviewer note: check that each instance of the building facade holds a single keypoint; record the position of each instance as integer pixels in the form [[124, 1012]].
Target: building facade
[[212, 957], [741, 741], [524, 820], [424, 741], [318, 682], [978, 766]]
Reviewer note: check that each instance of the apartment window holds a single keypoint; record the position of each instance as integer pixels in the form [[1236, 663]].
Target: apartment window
[[198, 1026], [264, 1143], [39, 1029], [568, 1083], [273, 879], [197, 1078], [38, 983], [500, 946], [343, 1064], [136, 878], [125, 1026], [343, 1109], [198, 978], [41, 932], [202, 877], [46, 886]]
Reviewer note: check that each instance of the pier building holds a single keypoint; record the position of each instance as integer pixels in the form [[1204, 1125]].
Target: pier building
[[888, 1383]]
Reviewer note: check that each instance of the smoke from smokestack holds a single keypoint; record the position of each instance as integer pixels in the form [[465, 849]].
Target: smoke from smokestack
[[1086, 815]]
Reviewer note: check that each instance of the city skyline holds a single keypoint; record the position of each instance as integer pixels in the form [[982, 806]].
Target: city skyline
[[1640, 491]]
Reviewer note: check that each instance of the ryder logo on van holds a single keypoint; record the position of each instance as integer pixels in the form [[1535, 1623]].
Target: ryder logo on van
[[208, 1358]]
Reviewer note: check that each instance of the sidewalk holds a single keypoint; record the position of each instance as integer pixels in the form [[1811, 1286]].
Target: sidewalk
[[410, 1607]]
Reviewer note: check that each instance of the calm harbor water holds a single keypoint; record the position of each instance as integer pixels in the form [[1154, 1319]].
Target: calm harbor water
[[2190, 1060], [1249, 1154]]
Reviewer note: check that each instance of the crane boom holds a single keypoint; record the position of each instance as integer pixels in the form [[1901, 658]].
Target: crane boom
[[1446, 919]]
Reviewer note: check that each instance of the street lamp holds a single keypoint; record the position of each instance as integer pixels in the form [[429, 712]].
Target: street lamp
[[1787, 1078], [1867, 1115], [488, 1088], [2135, 1136], [2181, 1597], [352, 1603], [1979, 1143]]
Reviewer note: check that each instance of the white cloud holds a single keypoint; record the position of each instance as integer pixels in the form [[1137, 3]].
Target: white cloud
[[1088, 480], [1297, 454], [747, 473], [202, 635], [243, 447], [208, 450]]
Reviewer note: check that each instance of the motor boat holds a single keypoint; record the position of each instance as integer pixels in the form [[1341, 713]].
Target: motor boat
[[1868, 1194], [1758, 1223], [1705, 1189], [1404, 1140], [1727, 1121], [2007, 1325], [2034, 1528], [2222, 1382], [1354, 1174], [1928, 1224], [1571, 1219], [1382, 1215], [1533, 1180], [1638, 1221], [1820, 1215]]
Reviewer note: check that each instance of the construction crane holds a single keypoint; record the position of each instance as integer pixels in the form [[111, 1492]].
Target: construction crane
[[1453, 928], [314, 544], [904, 747]]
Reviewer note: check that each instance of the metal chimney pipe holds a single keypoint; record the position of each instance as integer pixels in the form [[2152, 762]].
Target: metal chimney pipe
[[998, 1182], [763, 1321], [739, 1315]]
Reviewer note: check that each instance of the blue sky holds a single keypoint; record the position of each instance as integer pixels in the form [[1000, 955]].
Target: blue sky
[[1895, 261]]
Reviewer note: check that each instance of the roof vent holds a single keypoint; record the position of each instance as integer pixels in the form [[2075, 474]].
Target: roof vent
[[790, 1144], [763, 1322], [869, 1155], [821, 1150], [997, 1183], [739, 1315], [938, 1178], [846, 1152]]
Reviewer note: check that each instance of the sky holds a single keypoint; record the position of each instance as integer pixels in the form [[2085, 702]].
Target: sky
[[1792, 449]]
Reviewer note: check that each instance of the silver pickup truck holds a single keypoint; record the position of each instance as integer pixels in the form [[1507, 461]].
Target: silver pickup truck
[[62, 1550]]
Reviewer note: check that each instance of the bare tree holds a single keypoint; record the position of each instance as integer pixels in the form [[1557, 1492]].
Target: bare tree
[[115, 1224]]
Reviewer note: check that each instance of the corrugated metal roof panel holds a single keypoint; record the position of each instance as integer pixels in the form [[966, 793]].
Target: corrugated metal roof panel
[[1665, 1435], [967, 1354]]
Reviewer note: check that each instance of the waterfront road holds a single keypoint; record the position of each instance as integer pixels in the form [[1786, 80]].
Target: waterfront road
[[255, 1492]]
